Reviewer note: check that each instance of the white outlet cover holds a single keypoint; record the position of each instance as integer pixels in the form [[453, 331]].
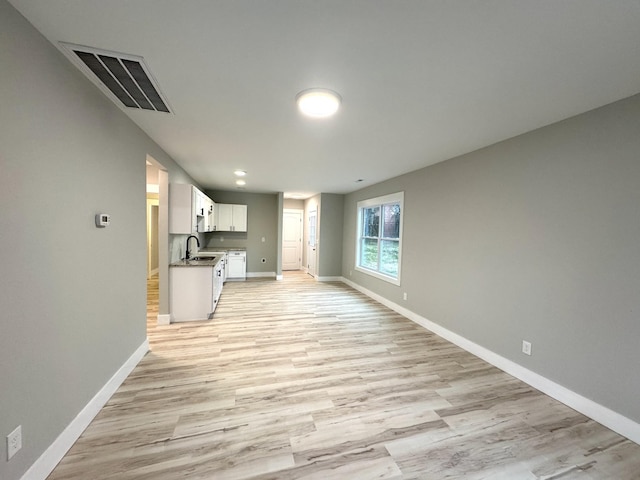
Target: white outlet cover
[[526, 347], [14, 442]]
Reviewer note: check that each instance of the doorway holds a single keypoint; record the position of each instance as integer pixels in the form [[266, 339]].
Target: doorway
[[152, 236], [292, 239], [312, 243], [158, 237]]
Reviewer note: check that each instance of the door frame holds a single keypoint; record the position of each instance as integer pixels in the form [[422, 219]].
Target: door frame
[[312, 248]]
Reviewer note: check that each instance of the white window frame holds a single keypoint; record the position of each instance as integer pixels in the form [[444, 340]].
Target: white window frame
[[379, 201]]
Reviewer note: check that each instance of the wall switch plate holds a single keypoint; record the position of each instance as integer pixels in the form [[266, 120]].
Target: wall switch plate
[[14, 442], [526, 347], [404, 296]]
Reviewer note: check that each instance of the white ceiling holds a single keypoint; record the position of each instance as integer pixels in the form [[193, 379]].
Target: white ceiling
[[422, 81]]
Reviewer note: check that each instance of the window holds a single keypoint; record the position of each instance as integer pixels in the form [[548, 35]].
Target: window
[[379, 240]]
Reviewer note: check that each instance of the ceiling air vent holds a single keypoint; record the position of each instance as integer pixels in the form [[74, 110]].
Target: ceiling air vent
[[125, 76]]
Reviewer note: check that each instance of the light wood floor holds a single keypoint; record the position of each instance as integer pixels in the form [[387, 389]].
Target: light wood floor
[[304, 380]]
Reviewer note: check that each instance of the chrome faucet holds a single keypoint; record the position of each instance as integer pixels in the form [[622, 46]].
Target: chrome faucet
[[188, 253]]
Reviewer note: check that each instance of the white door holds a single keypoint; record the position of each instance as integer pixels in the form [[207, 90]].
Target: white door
[[312, 243], [291, 239]]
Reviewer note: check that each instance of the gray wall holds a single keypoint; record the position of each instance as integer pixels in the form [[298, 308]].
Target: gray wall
[[534, 238], [330, 245], [293, 204], [330, 208], [262, 221], [73, 296]]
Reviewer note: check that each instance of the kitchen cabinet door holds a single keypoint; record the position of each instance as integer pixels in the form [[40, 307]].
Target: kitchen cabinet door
[[209, 213], [239, 216], [182, 209], [223, 217], [236, 265], [231, 218]]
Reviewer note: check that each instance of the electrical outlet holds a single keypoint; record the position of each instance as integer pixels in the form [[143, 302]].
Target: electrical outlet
[[14, 442], [526, 347], [404, 296]]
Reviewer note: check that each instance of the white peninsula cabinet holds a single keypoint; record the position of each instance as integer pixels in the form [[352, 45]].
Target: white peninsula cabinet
[[230, 218], [194, 291]]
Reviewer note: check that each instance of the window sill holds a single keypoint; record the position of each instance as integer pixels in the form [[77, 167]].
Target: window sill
[[378, 275]]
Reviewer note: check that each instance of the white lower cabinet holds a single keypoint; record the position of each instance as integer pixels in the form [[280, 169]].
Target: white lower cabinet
[[218, 282], [194, 292], [236, 264]]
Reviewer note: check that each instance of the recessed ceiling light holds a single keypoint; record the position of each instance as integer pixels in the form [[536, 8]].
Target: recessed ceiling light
[[240, 173], [240, 182], [318, 102]]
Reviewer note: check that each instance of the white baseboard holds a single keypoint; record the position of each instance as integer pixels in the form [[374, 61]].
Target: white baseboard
[[164, 319], [261, 274], [329, 279], [601, 414], [279, 277], [42, 467]]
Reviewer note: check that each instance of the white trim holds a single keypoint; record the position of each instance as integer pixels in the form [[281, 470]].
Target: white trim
[[261, 274], [391, 198], [299, 212], [44, 465], [164, 319], [601, 414], [279, 277]]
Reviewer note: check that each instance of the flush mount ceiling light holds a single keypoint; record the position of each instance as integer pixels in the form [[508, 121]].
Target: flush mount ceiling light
[[239, 173], [318, 102], [240, 182]]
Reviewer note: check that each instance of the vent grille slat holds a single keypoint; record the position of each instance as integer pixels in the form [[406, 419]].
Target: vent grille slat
[[137, 72], [105, 77], [117, 70], [125, 76]]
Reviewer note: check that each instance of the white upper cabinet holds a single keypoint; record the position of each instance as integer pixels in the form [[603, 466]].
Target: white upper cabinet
[[209, 212], [230, 218], [190, 210]]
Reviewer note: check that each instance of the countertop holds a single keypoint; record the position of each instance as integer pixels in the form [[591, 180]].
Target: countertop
[[222, 249], [212, 262], [209, 262]]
